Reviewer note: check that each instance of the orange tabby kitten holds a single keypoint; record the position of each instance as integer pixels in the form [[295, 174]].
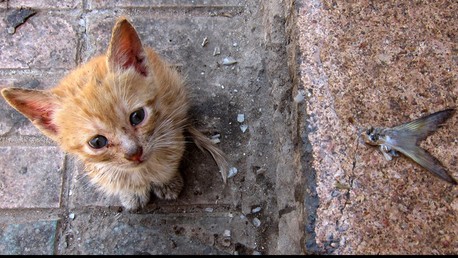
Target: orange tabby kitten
[[124, 115]]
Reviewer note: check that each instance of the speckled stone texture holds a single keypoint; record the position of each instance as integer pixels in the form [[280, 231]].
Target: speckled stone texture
[[258, 211], [31, 177], [380, 63], [27, 238]]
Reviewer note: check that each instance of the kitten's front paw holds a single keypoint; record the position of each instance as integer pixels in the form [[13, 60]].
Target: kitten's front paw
[[170, 190], [133, 202]]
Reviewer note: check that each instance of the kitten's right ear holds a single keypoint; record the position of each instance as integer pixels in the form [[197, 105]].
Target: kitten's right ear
[[125, 49], [37, 106]]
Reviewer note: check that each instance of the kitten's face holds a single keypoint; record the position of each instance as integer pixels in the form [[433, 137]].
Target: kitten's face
[[111, 120]]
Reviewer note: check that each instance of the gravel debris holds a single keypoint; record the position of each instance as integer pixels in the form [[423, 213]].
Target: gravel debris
[[243, 128], [300, 97], [232, 172], [215, 138], [229, 61], [240, 118], [256, 222], [204, 42], [216, 51], [256, 210]]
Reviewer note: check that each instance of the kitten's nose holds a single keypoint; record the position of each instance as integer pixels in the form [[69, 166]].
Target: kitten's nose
[[135, 155]]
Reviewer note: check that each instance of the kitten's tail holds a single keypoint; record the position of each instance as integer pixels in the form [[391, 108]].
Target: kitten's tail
[[204, 143]]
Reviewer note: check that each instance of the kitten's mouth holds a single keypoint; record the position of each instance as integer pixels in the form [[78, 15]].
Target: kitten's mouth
[[133, 164], [137, 162], [136, 157]]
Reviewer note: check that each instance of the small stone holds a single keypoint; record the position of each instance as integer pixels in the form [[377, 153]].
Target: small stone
[[71, 216], [11, 30], [240, 118], [256, 210], [261, 171], [216, 51], [209, 209], [204, 42], [215, 138], [232, 172], [227, 233], [215, 141], [243, 128], [256, 222], [256, 253], [229, 61], [299, 97]]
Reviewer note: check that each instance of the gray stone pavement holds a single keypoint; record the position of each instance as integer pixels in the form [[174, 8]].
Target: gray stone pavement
[[48, 206], [301, 186]]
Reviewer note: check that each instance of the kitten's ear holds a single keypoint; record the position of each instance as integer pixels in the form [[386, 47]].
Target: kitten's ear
[[37, 106], [125, 49]]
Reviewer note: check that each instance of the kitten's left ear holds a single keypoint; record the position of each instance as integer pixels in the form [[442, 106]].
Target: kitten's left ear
[[125, 49], [37, 105]]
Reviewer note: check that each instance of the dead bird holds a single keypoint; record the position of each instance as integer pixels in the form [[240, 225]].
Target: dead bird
[[405, 138]]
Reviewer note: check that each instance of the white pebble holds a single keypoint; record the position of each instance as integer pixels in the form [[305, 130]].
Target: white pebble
[[71, 216], [227, 233], [299, 98], [243, 128], [215, 140], [204, 42], [209, 209], [217, 51], [256, 222], [232, 172], [240, 118], [11, 30], [256, 210], [229, 61]]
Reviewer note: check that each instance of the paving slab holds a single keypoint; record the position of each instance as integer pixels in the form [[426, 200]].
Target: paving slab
[[187, 233], [31, 177], [32, 238], [19, 51], [50, 4]]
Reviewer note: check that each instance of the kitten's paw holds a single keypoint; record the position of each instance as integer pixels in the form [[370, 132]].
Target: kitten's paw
[[133, 202], [170, 190]]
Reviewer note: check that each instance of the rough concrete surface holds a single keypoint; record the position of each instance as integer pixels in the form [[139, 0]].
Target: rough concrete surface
[[309, 76]]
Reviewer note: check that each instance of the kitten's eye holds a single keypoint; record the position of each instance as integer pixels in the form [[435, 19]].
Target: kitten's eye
[[137, 117], [98, 142]]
